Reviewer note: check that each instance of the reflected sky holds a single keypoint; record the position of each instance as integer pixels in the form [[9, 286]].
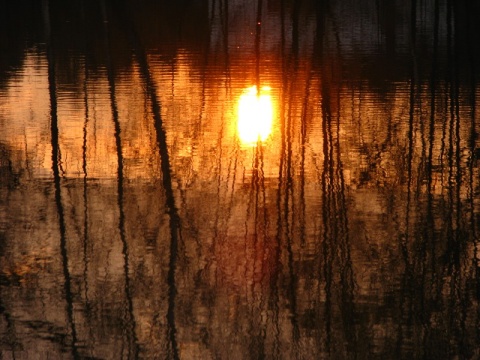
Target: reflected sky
[[239, 179]]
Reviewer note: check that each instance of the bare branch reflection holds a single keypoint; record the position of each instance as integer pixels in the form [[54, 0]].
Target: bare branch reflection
[[137, 222]]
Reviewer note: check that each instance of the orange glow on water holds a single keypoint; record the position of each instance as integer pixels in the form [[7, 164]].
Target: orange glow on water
[[255, 115]]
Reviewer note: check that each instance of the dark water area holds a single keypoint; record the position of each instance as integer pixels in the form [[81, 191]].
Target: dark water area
[[250, 179]]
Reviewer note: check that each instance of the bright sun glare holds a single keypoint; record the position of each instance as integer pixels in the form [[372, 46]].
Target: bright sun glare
[[255, 115]]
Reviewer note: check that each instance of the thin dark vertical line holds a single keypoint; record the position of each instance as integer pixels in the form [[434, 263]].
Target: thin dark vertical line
[[204, 72], [52, 88], [258, 32], [172, 210], [463, 297], [249, 243], [303, 137], [331, 219], [433, 84], [131, 333], [289, 202], [218, 210], [233, 162], [262, 191], [421, 254], [451, 243], [220, 157], [444, 161], [411, 119], [321, 7], [336, 228], [326, 246], [86, 229], [258, 248], [174, 220], [303, 118], [347, 274], [250, 204], [286, 183], [288, 159], [266, 266], [445, 101], [333, 210], [405, 238], [328, 200], [292, 285], [85, 173], [473, 158], [288, 215], [279, 224], [429, 243], [457, 134]]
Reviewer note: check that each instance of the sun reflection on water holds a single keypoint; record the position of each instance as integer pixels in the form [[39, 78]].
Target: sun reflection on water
[[255, 115]]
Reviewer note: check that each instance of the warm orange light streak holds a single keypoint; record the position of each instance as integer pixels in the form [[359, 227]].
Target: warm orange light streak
[[255, 115]]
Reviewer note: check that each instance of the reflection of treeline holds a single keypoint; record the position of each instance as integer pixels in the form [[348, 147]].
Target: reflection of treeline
[[20, 27], [164, 27], [430, 194]]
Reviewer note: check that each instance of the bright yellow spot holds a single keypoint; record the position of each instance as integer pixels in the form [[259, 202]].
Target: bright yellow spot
[[255, 115]]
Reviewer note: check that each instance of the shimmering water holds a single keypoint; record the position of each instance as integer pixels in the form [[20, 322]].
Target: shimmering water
[[137, 222]]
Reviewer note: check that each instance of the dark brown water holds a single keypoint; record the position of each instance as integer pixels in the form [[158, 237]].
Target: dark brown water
[[136, 221]]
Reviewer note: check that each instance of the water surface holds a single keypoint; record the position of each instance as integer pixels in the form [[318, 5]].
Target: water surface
[[137, 220]]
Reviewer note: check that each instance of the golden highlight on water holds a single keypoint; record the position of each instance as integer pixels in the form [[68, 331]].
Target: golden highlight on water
[[255, 115]]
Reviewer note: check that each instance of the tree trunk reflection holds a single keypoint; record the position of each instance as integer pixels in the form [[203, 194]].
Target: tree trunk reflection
[[135, 223]]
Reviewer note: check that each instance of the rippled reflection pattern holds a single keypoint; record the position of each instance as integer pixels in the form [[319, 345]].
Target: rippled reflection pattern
[[239, 179]]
